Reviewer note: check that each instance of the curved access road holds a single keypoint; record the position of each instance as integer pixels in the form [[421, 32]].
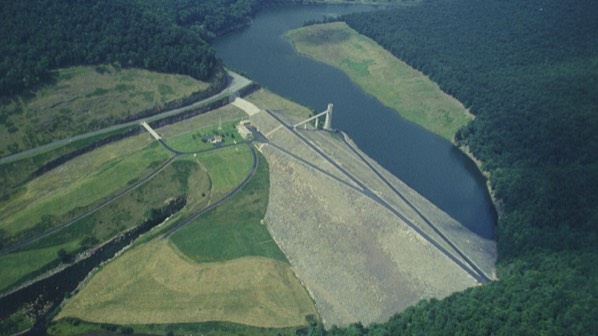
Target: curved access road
[[230, 194], [236, 83], [125, 191], [118, 195]]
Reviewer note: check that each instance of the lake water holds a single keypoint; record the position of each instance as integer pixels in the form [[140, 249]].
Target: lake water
[[426, 162]]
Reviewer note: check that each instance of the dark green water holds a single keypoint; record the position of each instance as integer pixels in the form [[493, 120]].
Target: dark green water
[[426, 162]]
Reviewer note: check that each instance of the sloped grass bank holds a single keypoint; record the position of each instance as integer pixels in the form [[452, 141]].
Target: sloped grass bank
[[222, 267], [125, 213], [59, 195], [379, 73], [234, 229], [87, 98]]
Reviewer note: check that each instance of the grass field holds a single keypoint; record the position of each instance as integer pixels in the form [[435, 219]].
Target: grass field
[[85, 99], [15, 174], [66, 191], [227, 167], [155, 284], [222, 267], [16, 266], [233, 229], [382, 75], [192, 141], [72, 326], [131, 210]]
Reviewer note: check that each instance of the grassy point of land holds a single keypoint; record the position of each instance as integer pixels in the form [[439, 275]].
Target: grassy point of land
[[382, 75], [16, 266]]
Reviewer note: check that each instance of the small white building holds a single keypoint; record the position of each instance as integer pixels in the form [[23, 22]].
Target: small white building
[[243, 129]]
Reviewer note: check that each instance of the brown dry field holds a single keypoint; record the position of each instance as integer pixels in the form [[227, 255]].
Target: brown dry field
[[154, 283], [358, 260]]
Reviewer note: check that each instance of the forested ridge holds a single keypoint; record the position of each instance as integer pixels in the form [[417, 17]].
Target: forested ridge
[[528, 70], [37, 36]]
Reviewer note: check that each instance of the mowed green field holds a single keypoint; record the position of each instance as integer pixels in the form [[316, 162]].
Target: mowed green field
[[85, 99], [128, 211], [233, 229], [192, 141], [222, 267], [227, 167], [77, 185], [155, 283], [379, 73]]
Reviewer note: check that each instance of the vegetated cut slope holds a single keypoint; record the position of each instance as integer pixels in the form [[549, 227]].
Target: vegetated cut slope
[[528, 71], [382, 75]]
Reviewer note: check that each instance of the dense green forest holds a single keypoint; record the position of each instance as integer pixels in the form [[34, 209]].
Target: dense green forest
[[40, 35], [528, 70], [169, 36]]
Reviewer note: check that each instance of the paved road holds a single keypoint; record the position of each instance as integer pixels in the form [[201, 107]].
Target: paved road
[[237, 83], [230, 194], [466, 264], [88, 212], [123, 192]]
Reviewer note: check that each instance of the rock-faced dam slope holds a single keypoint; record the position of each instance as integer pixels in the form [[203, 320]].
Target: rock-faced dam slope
[[364, 244]]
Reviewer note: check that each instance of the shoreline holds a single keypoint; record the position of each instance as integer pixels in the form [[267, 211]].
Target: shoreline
[[497, 202]]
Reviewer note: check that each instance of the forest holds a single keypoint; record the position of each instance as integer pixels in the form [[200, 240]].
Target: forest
[[169, 36], [528, 70]]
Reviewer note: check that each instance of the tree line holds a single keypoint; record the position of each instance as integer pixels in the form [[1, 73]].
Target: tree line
[[168, 36], [528, 71]]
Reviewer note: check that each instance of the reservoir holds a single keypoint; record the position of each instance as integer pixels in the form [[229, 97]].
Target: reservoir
[[426, 162]]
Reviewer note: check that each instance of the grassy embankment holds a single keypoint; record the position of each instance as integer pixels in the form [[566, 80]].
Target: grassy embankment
[[222, 267], [128, 211], [382, 75], [30, 206], [85, 99]]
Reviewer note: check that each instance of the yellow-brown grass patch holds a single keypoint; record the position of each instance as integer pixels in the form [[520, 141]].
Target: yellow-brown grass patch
[[155, 284]]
